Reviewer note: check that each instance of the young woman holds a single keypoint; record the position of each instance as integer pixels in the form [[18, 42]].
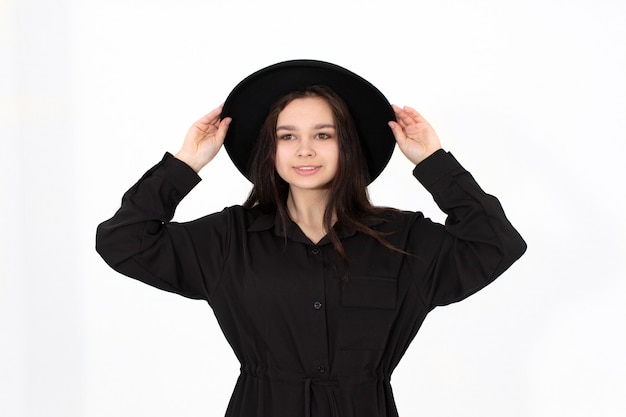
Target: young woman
[[318, 292]]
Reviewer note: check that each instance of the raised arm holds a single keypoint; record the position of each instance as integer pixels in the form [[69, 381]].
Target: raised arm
[[141, 241], [477, 243]]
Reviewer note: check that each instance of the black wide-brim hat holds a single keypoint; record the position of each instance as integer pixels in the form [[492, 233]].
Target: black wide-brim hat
[[249, 103]]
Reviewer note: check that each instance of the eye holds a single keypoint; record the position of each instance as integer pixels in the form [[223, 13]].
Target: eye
[[287, 136], [323, 135]]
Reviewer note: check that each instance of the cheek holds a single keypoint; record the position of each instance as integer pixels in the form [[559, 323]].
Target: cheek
[[279, 159], [333, 152]]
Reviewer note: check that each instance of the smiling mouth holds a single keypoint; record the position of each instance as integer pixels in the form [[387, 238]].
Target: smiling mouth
[[307, 170]]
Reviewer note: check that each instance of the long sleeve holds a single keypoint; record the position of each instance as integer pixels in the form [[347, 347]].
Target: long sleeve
[[477, 244], [309, 340], [140, 241]]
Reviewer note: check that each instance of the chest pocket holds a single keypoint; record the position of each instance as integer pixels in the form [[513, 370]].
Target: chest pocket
[[369, 292]]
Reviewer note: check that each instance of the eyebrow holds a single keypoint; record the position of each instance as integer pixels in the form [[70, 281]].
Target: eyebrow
[[318, 126]]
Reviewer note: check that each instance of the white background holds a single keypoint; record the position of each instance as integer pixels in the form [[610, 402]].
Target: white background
[[529, 96]]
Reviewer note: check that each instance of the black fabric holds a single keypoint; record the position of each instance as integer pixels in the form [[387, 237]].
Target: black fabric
[[249, 103], [310, 343]]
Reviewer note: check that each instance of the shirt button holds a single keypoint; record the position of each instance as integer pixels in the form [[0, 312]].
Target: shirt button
[[317, 305], [315, 251], [321, 369]]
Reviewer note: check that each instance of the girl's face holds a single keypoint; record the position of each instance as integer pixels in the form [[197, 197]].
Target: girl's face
[[307, 149]]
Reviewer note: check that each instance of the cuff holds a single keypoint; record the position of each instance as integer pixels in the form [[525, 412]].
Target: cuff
[[437, 166], [178, 173]]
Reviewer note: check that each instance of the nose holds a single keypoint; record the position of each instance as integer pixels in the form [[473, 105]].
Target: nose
[[305, 148]]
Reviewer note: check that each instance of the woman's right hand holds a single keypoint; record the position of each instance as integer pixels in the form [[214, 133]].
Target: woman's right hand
[[204, 139]]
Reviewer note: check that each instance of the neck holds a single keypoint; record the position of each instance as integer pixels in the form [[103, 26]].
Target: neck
[[307, 209]]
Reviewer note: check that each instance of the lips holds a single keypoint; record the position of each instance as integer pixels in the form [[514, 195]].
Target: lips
[[307, 169]]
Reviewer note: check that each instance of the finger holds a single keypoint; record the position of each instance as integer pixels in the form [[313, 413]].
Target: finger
[[213, 114], [404, 118], [222, 129], [398, 132], [414, 114], [409, 111], [397, 110], [212, 117]]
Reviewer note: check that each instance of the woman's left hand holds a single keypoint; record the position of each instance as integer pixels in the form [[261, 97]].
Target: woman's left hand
[[415, 136]]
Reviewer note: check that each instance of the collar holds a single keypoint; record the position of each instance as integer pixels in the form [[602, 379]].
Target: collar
[[291, 231]]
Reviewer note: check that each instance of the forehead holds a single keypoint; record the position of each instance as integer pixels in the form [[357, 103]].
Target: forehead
[[307, 108]]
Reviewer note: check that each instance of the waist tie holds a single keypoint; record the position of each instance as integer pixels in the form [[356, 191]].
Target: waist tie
[[312, 386], [328, 386]]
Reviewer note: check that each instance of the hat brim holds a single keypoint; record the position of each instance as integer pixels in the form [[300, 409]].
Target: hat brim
[[249, 102]]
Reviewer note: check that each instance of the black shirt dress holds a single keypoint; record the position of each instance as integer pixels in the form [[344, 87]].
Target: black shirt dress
[[309, 342]]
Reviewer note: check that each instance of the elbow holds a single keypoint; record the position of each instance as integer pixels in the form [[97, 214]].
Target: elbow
[[102, 243], [513, 247], [518, 247], [107, 246]]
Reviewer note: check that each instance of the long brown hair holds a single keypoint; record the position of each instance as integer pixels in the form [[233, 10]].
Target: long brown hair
[[348, 198]]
